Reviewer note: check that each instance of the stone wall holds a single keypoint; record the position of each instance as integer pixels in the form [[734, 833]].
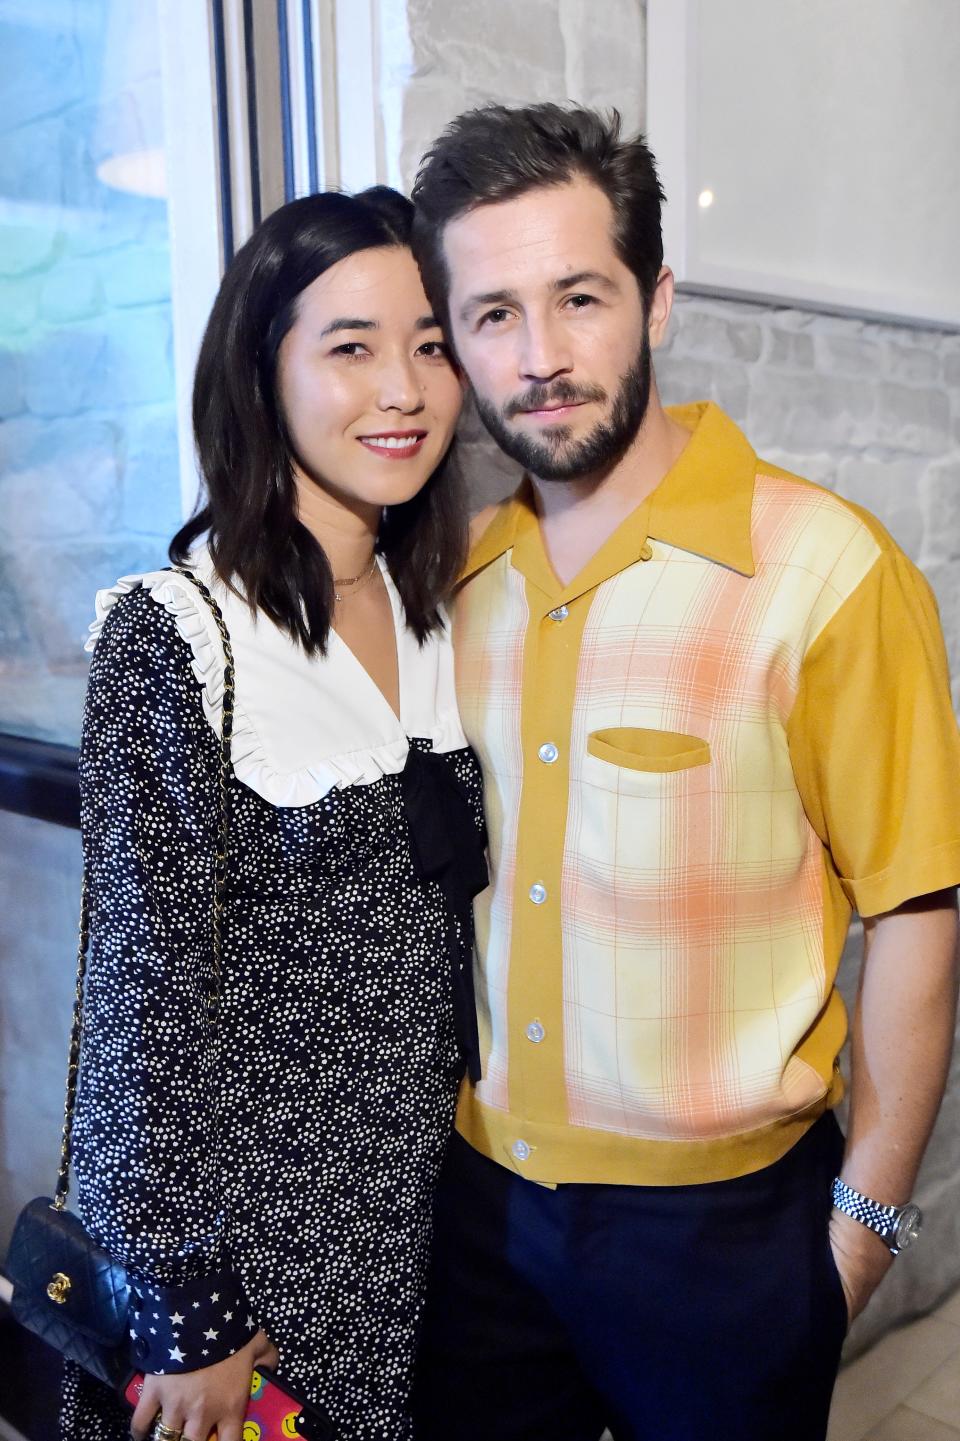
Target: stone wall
[[465, 54], [870, 410]]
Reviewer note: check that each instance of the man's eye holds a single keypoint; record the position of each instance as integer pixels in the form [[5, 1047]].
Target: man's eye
[[495, 317], [580, 302]]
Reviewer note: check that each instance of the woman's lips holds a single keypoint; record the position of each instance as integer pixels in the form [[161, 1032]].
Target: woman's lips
[[395, 444]]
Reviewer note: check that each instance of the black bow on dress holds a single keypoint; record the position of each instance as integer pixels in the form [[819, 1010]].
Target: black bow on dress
[[448, 848]]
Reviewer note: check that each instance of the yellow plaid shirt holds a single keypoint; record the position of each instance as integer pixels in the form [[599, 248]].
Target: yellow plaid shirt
[[731, 728]]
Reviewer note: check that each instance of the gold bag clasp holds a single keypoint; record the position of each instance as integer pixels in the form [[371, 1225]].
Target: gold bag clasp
[[58, 1288]]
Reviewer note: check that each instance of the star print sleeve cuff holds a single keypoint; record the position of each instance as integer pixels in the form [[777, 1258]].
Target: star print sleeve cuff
[[183, 1328]]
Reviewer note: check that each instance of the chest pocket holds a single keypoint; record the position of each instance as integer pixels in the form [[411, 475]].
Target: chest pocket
[[654, 751]]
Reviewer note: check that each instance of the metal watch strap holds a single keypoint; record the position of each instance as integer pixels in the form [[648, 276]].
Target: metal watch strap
[[872, 1214], [219, 893]]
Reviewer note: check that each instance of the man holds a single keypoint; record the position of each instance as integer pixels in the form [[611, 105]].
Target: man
[[712, 707]]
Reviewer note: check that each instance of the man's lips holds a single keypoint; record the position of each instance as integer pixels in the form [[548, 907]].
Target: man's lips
[[394, 444], [555, 412]]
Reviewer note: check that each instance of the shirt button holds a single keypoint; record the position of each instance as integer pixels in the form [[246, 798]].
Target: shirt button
[[560, 613], [535, 1032], [520, 1150], [646, 551], [538, 893], [548, 753]]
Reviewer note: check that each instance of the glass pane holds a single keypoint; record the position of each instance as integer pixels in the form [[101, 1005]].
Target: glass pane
[[89, 484]]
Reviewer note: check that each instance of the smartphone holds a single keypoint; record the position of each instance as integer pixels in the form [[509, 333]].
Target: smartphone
[[275, 1412]]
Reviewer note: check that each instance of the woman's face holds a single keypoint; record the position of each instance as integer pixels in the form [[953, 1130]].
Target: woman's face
[[366, 384]]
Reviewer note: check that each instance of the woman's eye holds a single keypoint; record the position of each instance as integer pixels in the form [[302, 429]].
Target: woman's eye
[[434, 350], [352, 349]]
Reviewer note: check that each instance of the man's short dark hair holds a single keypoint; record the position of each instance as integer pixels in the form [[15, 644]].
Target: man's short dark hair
[[497, 153]]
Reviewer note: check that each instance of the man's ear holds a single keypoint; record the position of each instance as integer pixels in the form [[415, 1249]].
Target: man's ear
[[661, 305]]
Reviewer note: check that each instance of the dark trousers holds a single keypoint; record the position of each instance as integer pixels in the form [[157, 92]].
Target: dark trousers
[[681, 1313]]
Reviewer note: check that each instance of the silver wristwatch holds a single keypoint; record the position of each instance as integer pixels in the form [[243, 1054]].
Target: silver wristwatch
[[898, 1225]]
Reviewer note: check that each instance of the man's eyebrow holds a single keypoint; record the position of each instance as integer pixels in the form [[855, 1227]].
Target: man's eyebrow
[[584, 277], [348, 322], [492, 297]]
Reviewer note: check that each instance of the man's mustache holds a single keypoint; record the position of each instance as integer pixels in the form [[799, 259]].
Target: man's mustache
[[560, 392]]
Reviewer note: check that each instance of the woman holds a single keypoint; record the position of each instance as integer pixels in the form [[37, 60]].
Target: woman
[[268, 1187]]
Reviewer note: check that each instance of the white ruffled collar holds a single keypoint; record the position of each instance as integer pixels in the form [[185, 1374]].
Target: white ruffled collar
[[303, 725]]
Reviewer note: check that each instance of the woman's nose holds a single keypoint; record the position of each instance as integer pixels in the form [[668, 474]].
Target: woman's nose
[[400, 388]]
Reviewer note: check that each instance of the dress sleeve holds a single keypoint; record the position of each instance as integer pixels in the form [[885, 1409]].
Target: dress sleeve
[[874, 744], [145, 1142]]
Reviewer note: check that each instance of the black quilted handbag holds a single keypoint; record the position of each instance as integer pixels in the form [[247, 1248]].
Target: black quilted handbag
[[67, 1289]]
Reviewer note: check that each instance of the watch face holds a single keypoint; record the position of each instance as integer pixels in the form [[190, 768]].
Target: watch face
[[908, 1227]]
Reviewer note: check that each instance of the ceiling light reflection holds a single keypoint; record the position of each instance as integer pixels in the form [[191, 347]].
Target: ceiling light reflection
[[138, 172]]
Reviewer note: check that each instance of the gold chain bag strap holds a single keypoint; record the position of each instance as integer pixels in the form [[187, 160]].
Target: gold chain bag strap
[[66, 1288]]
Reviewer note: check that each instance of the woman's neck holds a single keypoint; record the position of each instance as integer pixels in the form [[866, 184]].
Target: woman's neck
[[346, 529]]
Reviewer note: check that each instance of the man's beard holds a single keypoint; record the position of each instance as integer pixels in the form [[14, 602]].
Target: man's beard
[[553, 455]]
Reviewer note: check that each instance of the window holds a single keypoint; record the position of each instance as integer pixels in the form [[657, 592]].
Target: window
[[90, 471]]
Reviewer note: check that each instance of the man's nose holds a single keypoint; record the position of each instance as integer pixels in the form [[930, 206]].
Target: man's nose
[[545, 352]]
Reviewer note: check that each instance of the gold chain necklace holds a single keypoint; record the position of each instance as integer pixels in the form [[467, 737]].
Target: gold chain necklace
[[359, 581]]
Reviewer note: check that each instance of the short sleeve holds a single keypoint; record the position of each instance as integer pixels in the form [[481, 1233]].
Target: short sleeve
[[874, 744]]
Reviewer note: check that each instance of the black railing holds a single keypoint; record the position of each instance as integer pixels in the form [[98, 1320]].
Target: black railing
[[39, 779]]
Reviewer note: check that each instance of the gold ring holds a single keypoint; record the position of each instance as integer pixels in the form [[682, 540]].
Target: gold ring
[[163, 1432]]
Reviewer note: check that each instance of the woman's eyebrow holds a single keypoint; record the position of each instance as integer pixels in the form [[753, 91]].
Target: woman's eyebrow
[[348, 322], [353, 322]]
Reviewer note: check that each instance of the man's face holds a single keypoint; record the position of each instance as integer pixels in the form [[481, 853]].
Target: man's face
[[548, 323]]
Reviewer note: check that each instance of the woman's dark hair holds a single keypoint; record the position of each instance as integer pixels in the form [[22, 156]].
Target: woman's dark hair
[[258, 545], [497, 153]]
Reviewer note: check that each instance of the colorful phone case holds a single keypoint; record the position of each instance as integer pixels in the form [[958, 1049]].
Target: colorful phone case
[[274, 1414]]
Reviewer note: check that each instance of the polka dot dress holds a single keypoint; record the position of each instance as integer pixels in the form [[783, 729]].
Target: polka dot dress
[[287, 1165]]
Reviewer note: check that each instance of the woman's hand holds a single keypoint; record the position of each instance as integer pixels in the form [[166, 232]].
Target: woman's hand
[[198, 1402]]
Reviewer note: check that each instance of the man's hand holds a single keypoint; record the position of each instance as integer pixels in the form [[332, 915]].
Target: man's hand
[[198, 1402], [901, 1037], [863, 1259]]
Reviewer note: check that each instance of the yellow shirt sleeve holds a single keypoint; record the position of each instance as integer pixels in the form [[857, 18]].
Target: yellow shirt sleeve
[[874, 743]]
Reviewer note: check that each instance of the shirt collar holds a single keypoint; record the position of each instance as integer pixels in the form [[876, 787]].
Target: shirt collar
[[703, 504]]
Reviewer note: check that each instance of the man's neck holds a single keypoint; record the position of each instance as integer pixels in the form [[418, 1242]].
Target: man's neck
[[578, 516]]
